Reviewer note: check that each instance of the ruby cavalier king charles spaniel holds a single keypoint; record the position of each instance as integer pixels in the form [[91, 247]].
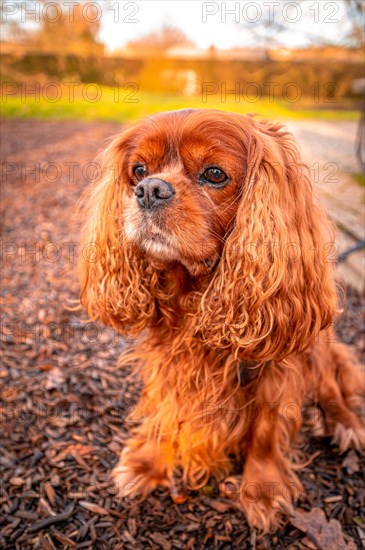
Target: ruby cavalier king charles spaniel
[[211, 248]]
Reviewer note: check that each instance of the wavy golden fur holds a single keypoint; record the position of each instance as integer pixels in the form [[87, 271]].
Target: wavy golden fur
[[234, 282]]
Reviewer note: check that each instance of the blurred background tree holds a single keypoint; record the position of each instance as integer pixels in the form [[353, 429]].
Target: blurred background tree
[[356, 13], [59, 30], [61, 36], [268, 33]]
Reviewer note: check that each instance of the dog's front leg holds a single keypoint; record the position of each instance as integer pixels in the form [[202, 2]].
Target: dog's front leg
[[144, 463], [269, 484]]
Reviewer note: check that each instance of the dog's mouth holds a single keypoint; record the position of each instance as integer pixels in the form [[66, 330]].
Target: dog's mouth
[[156, 238], [149, 236], [159, 246], [162, 247]]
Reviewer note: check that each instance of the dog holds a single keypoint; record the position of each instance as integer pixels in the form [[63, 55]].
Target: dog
[[210, 245]]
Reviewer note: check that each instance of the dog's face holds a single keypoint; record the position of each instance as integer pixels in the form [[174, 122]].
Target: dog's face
[[216, 210], [185, 172]]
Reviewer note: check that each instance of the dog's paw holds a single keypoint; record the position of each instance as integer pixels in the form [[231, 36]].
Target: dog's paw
[[136, 474], [127, 482], [264, 505], [347, 437], [266, 515], [265, 496]]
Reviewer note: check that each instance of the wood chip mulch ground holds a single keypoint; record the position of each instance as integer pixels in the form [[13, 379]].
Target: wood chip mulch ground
[[64, 402]]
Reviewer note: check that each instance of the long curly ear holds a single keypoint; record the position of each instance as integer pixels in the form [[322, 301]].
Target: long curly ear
[[114, 279], [274, 287]]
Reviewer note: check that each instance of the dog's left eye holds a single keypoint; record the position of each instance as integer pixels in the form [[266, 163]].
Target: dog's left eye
[[214, 175]]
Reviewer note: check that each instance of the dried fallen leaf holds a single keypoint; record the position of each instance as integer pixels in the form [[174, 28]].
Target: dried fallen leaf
[[9, 395], [323, 533], [55, 379]]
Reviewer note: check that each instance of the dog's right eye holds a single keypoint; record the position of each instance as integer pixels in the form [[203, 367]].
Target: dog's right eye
[[215, 176], [140, 172]]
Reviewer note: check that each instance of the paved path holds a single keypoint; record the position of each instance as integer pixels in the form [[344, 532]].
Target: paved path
[[329, 149]]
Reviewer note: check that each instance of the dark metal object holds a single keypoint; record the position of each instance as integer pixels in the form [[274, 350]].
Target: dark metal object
[[359, 246]]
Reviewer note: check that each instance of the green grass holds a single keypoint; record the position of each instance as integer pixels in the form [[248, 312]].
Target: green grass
[[122, 109]]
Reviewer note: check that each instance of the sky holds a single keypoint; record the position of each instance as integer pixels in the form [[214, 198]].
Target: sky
[[208, 23]]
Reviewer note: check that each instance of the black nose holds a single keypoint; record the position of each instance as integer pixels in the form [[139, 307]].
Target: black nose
[[153, 193]]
